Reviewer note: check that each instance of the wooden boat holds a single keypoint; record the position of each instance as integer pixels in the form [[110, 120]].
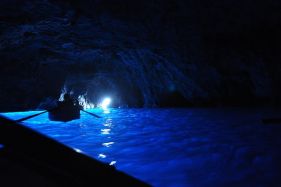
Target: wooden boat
[[64, 113], [61, 114]]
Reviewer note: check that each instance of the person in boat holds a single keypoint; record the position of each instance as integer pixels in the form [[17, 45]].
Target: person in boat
[[67, 99], [66, 110], [68, 102]]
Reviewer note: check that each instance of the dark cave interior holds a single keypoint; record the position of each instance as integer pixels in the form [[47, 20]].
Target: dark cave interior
[[141, 53]]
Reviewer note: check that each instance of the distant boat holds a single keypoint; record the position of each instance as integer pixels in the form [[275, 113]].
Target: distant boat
[[65, 113]]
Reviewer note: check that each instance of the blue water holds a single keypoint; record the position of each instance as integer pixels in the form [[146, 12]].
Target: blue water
[[176, 147]]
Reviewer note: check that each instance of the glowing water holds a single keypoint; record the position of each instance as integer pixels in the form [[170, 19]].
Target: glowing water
[[176, 147]]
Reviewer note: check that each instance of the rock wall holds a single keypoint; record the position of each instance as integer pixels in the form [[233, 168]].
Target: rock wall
[[149, 53]]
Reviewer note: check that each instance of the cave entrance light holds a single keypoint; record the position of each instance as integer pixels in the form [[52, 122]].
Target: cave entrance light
[[105, 103]]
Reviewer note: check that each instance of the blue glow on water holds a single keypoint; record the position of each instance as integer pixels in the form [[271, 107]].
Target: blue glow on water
[[176, 147]]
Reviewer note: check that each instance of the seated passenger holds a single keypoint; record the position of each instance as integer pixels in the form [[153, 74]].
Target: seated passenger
[[67, 101]]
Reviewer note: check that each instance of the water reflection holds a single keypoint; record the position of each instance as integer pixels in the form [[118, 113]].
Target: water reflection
[[106, 111], [108, 144], [108, 123], [106, 132], [78, 150], [102, 156]]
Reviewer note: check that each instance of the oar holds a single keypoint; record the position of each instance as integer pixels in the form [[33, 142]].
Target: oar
[[32, 116], [91, 113]]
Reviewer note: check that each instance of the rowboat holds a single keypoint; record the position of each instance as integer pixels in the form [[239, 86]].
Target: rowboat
[[64, 113]]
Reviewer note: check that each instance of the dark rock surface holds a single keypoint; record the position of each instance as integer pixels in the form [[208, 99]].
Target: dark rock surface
[[145, 53]]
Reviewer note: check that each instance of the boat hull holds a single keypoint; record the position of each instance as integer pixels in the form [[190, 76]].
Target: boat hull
[[64, 114]]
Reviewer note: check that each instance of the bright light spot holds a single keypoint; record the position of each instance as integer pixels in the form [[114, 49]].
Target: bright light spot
[[102, 156], [108, 144], [105, 131], [78, 150], [112, 163], [105, 103], [108, 123]]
